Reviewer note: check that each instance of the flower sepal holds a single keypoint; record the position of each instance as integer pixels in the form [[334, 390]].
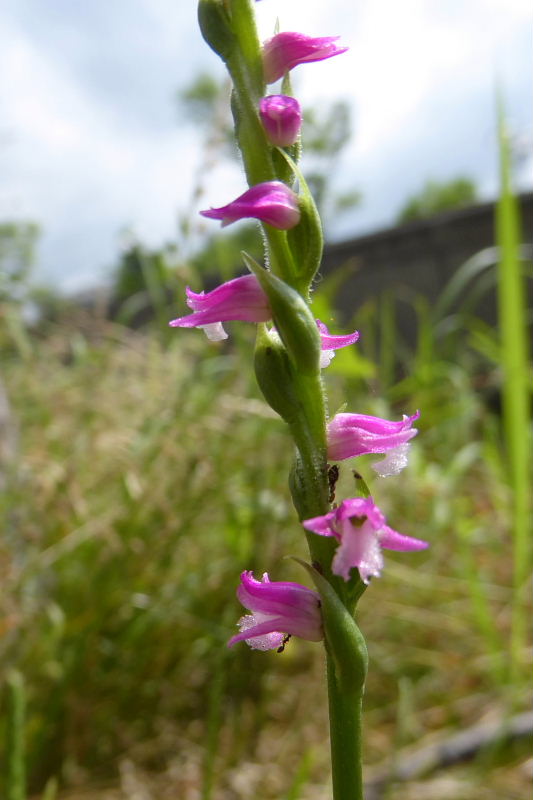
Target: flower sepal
[[287, 49]]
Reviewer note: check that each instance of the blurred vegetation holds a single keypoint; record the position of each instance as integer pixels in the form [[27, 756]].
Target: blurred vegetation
[[326, 133], [436, 197], [18, 242], [149, 472], [144, 284]]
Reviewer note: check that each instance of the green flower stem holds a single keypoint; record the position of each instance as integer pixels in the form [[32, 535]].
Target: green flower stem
[[345, 648], [345, 735], [310, 495], [245, 30], [347, 665], [310, 489]]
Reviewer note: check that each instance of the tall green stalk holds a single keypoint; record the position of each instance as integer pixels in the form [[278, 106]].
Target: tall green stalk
[[288, 372], [516, 391]]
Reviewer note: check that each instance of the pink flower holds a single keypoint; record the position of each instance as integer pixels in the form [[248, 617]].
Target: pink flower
[[243, 299], [358, 434], [282, 119], [286, 50], [278, 608], [239, 299], [362, 532], [331, 343], [271, 202]]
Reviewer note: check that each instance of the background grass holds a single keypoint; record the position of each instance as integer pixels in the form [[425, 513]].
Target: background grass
[[147, 474]]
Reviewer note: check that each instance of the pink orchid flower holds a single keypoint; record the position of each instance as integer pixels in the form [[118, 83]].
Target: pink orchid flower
[[361, 530], [278, 608]]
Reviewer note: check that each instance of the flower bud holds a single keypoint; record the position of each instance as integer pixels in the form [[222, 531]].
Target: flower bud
[[282, 119]]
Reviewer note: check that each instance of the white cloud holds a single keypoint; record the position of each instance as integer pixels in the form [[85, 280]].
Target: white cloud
[[71, 164], [95, 145]]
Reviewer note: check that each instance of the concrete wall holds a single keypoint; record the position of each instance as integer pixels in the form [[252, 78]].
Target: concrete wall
[[418, 258]]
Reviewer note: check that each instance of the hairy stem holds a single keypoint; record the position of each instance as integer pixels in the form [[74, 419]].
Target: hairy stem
[[345, 734]]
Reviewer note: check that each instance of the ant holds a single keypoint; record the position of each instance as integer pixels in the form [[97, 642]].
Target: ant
[[333, 477], [286, 638]]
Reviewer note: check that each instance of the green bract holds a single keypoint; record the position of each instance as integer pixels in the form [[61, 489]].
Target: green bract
[[215, 27], [344, 639], [293, 319], [306, 241]]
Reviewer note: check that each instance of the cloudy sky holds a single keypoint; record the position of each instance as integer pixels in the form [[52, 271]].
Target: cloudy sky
[[91, 141]]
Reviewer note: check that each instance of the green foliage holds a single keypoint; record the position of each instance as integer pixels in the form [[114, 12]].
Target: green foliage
[[18, 241], [325, 134], [143, 283], [220, 255], [436, 197], [138, 496], [516, 388], [204, 104], [15, 778], [200, 98], [327, 130]]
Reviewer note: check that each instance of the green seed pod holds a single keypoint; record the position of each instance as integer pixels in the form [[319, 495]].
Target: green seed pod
[[275, 375], [215, 27], [293, 319]]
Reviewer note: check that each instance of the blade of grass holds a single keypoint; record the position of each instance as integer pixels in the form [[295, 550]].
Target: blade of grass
[[302, 775], [15, 761], [481, 611], [514, 364], [50, 790]]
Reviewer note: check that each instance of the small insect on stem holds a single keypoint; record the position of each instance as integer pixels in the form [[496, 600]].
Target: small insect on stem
[[333, 477], [286, 638]]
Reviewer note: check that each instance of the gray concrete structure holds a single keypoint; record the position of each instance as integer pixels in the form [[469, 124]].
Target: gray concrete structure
[[418, 258]]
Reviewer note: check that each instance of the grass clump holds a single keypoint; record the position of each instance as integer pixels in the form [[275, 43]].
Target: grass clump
[[146, 476]]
